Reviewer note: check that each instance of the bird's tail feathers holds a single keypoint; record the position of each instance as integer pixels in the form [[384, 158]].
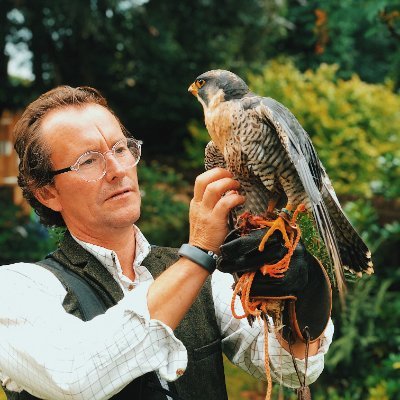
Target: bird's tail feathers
[[327, 232], [354, 253]]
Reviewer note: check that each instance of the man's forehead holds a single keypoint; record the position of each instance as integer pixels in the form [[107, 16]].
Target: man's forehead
[[73, 120], [76, 115]]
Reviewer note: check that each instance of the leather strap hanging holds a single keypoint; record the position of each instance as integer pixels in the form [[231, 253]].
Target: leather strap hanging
[[303, 392]]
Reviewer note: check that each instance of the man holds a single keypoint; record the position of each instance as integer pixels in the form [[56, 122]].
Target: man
[[78, 169]]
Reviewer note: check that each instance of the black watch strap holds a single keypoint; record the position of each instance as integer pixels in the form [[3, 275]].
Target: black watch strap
[[205, 258]]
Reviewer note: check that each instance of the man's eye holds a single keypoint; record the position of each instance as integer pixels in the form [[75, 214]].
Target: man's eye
[[88, 161], [121, 150]]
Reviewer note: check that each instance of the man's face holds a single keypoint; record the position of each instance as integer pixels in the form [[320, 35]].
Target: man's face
[[90, 209]]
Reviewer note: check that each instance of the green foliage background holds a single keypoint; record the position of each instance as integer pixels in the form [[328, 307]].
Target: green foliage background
[[335, 65]]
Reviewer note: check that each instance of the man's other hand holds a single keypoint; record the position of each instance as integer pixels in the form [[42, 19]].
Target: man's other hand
[[215, 194]]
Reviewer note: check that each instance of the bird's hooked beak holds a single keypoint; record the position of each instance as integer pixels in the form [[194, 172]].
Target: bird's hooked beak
[[193, 89]]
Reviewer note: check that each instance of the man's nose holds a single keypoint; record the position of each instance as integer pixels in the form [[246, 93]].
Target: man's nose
[[114, 169]]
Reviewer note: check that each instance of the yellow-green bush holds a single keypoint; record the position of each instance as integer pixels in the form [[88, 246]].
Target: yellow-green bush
[[354, 125]]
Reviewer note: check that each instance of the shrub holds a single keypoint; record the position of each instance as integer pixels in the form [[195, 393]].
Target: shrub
[[165, 205], [363, 362], [22, 237]]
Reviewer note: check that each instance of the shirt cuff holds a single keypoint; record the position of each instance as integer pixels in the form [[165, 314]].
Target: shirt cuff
[[168, 352], [282, 363]]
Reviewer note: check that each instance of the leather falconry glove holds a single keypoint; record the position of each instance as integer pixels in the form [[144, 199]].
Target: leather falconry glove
[[305, 287]]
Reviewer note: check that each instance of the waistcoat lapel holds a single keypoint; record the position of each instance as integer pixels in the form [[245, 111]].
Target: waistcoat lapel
[[73, 255], [159, 259]]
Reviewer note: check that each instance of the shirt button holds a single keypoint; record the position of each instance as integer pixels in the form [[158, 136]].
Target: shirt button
[[130, 287], [180, 372]]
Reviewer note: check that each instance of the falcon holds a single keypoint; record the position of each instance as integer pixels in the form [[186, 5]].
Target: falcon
[[266, 149]]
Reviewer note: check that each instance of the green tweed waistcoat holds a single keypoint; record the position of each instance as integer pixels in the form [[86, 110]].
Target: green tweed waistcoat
[[204, 377]]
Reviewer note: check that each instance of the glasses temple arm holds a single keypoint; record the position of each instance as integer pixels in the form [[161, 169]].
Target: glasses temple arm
[[60, 171]]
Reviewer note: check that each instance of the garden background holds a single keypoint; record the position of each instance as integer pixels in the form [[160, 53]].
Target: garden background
[[335, 64]]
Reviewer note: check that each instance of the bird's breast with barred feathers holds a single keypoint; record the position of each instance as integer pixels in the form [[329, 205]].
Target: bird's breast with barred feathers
[[237, 133]]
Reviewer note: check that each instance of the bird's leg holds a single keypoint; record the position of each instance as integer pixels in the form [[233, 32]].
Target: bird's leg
[[247, 221], [291, 235], [279, 224], [271, 207]]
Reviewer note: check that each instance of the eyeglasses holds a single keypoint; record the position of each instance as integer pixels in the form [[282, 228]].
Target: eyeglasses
[[92, 165]]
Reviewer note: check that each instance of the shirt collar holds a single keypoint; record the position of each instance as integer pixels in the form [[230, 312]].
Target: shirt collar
[[109, 259]]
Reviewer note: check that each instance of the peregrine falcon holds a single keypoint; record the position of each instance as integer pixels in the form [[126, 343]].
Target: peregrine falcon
[[264, 146]]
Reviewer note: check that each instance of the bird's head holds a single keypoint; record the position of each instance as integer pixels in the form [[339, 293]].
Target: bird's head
[[216, 86]]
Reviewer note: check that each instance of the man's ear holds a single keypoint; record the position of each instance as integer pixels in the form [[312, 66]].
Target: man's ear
[[48, 195]]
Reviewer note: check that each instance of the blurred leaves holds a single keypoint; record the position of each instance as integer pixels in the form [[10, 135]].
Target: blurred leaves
[[362, 361], [363, 39], [22, 238], [144, 54], [195, 145], [363, 356], [165, 205]]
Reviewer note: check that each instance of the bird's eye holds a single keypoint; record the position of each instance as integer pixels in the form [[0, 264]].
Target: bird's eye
[[200, 83]]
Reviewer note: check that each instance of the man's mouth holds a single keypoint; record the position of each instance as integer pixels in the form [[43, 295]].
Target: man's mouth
[[119, 194]]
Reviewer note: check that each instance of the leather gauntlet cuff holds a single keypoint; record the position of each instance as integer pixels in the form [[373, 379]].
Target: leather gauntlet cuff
[[304, 288], [312, 307]]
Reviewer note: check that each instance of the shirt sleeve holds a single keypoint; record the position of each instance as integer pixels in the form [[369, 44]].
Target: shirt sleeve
[[244, 345], [54, 355]]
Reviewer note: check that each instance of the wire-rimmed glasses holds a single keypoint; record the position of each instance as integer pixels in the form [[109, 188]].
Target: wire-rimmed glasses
[[92, 165]]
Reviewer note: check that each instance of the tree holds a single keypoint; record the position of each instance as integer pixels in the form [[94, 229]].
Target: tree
[[144, 55], [365, 40], [6, 27]]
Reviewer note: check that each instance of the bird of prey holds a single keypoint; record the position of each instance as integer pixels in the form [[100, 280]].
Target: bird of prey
[[264, 146]]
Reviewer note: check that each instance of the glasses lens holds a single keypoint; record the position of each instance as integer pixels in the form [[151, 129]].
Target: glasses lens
[[127, 151], [91, 166]]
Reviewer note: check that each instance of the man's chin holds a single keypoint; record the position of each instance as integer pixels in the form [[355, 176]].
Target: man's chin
[[124, 218]]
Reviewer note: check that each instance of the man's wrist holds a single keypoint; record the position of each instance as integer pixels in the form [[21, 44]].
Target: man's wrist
[[207, 259]]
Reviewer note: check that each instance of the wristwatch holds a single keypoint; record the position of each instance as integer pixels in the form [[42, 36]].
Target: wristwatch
[[205, 258]]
